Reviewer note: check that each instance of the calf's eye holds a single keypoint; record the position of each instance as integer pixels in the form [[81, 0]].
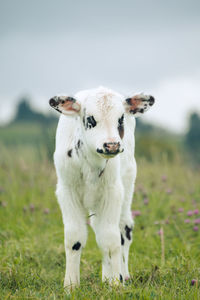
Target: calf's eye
[[91, 122], [121, 126], [121, 120]]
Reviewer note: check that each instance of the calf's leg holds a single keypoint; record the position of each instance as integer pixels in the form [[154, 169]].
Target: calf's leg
[[126, 227], [105, 223], [126, 220], [75, 233]]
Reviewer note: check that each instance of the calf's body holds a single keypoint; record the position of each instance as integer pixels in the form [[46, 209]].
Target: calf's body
[[96, 171]]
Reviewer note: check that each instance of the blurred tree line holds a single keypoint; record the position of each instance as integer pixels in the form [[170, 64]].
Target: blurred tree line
[[30, 128], [192, 138], [38, 130], [24, 113]]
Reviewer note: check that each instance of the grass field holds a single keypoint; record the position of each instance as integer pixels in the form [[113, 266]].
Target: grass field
[[164, 256]]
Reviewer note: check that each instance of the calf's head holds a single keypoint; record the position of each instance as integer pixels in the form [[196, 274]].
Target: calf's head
[[102, 114]]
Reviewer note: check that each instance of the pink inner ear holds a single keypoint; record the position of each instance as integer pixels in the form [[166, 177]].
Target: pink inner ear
[[135, 102], [69, 105]]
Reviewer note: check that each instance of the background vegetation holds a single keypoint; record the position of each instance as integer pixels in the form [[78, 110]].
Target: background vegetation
[[165, 254]]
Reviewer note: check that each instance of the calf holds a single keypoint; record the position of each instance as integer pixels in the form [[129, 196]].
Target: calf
[[96, 171]]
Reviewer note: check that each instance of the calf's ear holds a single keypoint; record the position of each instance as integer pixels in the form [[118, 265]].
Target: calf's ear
[[65, 105], [138, 104]]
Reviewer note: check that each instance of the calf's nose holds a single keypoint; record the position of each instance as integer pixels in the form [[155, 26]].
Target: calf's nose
[[111, 147]]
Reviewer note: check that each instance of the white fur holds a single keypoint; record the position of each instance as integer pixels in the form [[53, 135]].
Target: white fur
[[82, 191]]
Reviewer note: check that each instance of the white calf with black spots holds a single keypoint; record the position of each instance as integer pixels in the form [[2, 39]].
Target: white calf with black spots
[[96, 171]]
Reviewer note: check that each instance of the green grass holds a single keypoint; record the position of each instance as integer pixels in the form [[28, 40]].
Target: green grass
[[32, 257]]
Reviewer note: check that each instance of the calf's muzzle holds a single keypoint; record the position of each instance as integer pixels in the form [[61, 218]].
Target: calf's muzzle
[[110, 148]]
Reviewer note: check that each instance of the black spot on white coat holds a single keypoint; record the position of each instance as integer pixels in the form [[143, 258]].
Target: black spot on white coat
[[122, 240], [128, 232], [76, 246], [69, 153]]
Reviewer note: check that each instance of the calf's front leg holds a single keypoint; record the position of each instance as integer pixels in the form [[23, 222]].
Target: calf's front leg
[[105, 223], [75, 234]]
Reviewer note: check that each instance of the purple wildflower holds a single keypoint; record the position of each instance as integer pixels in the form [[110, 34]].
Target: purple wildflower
[[127, 278], [190, 213], [169, 191], [197, 221], [187, 221], [195, 228], [194, 281], [164, 178], [160, 232], [136, 213], [196, 211], [46, 211], [32, 207], [180, 210]]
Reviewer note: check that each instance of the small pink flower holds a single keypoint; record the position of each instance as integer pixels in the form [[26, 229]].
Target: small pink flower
[[146, 201], [169, 191], [32, 207], [180, 210], [197, 221], [136, 213], [46, 211], [195, 228], [160, 232], [127, 278], [187, 221], [164, 178], [190, 213], [196, 211]]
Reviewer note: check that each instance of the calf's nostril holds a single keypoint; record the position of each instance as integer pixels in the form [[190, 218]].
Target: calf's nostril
[[99, 150]]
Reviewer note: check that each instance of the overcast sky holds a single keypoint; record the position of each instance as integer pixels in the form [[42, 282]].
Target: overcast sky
[[49, 47]]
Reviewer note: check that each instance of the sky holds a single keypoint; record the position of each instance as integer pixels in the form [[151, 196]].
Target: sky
[[51, 47]]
